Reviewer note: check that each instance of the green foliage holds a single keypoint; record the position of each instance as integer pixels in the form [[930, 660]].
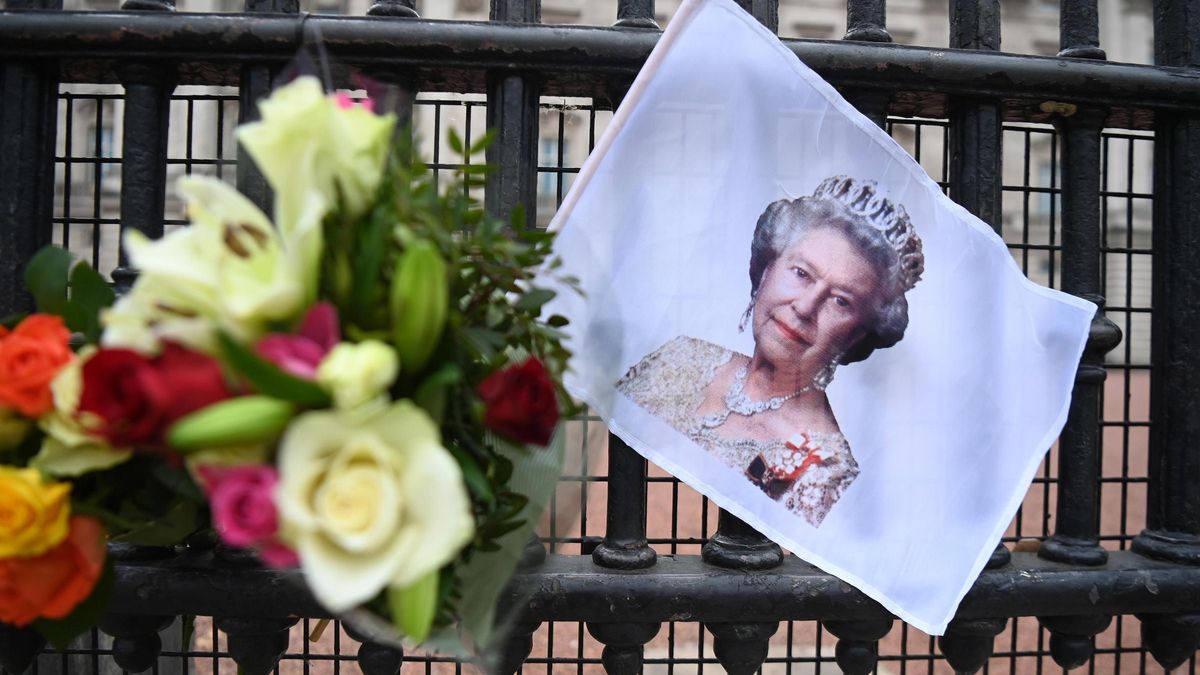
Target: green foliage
[[46, 278], [77, 294], [491, 309], [142, 501]]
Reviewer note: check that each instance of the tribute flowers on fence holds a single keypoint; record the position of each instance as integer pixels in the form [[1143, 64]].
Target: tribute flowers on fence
[[348, 388]]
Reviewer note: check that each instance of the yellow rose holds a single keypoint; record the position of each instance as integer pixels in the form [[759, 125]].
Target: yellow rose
[[68, 450], [359, 373], [369, 503], [33, 514]]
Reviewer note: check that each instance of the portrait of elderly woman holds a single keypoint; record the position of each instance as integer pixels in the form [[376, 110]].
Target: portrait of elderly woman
[[828, 277]]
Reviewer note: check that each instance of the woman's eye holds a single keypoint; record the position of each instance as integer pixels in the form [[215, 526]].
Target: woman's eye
[[800, 273], [841, 302]]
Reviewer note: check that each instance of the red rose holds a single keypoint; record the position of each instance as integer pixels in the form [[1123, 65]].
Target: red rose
[[521, 403], [195, 380], [135, 398]]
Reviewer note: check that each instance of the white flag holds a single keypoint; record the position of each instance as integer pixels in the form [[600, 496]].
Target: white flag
[[783, 310]]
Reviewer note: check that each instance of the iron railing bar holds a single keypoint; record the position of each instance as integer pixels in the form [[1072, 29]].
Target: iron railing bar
[[574, 50], [572, 588]]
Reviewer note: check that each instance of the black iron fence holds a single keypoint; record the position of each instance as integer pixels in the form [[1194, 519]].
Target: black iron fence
[[1089, 169]]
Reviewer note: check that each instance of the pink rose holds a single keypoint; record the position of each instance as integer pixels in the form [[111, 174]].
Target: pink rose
[[300, 353], [242, 500], [345, 102]]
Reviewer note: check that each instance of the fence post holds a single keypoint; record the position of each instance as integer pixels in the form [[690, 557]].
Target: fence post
[[975, 182], [28, 114], [1173, 500]]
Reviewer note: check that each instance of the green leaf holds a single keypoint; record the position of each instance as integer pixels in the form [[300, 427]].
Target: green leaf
[[456, 142], [485, 342], [46, 279], [61, 632], [367, 287], [473, 474], [11, 320], [433, 392], [90, 293], [534, 298], [177, 480], [557, 321], [268, 379], [483, 142], [166, 530]]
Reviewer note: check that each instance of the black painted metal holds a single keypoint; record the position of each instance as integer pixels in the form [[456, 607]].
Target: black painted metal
[[148, 87], [19, 647], [512, 114], [975, 174], [516, 650], [397, 8], [999, 558], [149, 5], [684, 588], [1073, 638], [857, 651], [736, 545], [256, 643], [1079, 30], [1172, 639], [1173, 513], [624, 546], [636, 14], [256, 82], [574, 59], [766, 11], [976, 177], [373, 658], [27, 113], [1077, 526], [741, 647], [968, 643], [516, 11], [866, 21], [136, 642], [28, 92], [623, 645]]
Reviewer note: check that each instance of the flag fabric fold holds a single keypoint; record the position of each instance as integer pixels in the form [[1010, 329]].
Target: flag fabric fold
[[784, 311]]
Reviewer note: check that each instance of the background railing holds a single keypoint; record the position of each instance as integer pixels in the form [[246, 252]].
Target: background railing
[[1089, 169]]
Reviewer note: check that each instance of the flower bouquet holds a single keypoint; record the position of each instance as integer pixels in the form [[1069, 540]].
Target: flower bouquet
[[361, 388]]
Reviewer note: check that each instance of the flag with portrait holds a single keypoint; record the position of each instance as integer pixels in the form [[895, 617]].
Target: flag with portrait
[[784, 311]]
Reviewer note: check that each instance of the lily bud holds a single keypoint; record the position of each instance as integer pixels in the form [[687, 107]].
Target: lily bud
[[414, 606], [419, 301], [237, 421]]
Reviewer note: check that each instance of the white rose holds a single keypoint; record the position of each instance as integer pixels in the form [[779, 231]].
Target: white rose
[[369, 503], [359, 373]]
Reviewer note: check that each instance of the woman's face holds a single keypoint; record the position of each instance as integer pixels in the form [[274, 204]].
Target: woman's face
[[813, 303]]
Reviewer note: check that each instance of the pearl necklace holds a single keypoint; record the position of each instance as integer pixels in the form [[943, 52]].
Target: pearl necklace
[[736, 401]]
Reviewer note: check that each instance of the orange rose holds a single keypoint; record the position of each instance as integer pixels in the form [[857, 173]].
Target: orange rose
[[30, 356], [51, 585]]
